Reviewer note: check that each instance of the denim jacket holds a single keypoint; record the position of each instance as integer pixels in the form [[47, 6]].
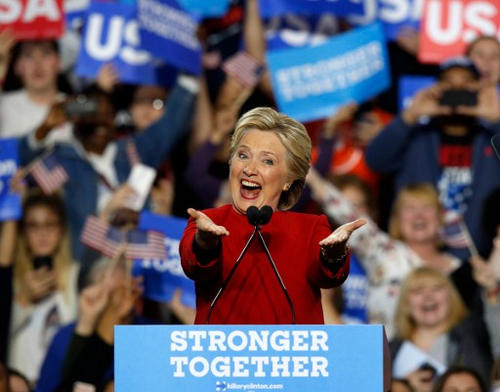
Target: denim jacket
[[153, 147]]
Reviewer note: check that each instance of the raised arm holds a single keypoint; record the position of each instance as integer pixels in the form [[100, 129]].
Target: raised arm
[[6, 42], [156, 142], [384, 154], [200, 246]]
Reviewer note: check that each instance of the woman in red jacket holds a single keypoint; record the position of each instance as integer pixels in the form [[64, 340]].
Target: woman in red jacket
[[270, 157]]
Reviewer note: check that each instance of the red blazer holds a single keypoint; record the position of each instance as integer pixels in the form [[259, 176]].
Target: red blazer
[[253, 295]]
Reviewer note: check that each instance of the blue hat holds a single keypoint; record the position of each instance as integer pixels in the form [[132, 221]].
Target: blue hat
[[458, 62]]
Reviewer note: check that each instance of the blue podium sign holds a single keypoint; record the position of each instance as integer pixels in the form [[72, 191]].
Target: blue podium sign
[[251, 358]]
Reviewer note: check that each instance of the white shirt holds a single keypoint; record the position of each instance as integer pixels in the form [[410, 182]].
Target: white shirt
[[19, 116]]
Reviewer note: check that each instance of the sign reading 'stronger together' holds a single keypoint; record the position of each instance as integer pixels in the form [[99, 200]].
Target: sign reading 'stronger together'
[[249, 358]]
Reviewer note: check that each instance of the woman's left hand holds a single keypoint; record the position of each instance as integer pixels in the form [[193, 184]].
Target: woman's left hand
[[334, 245]]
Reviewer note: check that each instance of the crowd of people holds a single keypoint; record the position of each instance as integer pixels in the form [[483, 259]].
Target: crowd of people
[[403, 171]]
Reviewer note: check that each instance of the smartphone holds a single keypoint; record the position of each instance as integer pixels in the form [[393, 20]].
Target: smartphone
[[141, 179], [456, 97], [80, 106], [42, 261]]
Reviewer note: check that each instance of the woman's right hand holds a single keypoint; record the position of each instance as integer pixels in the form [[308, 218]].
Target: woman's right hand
[[421, 380], [208, 233], [39, 283], [56, 117], [92, 301]]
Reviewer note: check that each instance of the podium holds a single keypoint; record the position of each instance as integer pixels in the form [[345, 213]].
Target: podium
[[251, 358]]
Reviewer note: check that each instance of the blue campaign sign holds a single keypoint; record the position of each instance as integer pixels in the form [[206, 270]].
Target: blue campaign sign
[[205, 9], [409, 85], [163, 277], [271, 8], [250, 358], [10, 203], [394, 14], [355, 292], [169, 33], [111, 35], [310, 83], [297, 30]]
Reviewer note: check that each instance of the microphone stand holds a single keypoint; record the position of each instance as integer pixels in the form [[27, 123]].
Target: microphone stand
[[256, 231], [231, 273], [278, 276]]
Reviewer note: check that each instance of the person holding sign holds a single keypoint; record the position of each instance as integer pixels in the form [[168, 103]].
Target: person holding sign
[[29, 70], [270, 157]]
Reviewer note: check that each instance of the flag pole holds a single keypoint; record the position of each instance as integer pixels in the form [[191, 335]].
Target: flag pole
[[470, 242]]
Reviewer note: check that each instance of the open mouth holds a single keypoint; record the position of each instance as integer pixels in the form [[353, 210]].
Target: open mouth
[[250, 189], [430, 307], [419, 225]]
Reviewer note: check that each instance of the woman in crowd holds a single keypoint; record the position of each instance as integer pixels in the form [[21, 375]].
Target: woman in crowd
[[431, 318], [460, 379], [270, 157], [484, 52], [44, 282], [29, 71], [387, 261]]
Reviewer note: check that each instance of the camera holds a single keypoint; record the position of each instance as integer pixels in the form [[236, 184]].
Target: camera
[[81, 106], [458, 97]]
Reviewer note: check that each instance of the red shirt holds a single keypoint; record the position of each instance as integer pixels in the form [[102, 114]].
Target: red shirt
[[254, 295]]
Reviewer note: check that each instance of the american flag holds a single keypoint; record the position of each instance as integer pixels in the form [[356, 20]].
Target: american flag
[[102, 237], [454, 232], [48, 173], [145, 245], [244, 68]]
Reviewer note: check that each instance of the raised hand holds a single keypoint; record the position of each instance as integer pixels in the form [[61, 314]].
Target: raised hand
[[342, 114], [333, 247], [39, 283], [225, 119], [488, 105], [426, 103], [208, 233], [107, 78], [92, 301], [122, 198], [55, 118]]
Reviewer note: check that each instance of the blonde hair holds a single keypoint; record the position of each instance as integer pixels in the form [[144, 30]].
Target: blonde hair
[[405, 325], [421, 190], [295, 139]]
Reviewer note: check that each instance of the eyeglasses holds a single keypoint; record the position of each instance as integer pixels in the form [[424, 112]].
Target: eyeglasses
[[42, 226], [155, 102]]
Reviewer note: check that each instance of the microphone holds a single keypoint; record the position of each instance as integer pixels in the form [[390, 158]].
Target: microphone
[[253, 215], [266, 212], [256, 218]]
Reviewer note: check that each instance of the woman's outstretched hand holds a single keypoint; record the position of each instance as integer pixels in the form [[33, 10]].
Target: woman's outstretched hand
[[208, 233], [334, 245]]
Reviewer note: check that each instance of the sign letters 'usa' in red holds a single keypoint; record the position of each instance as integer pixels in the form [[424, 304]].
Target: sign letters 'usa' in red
[[32, 19], [447, 26]]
